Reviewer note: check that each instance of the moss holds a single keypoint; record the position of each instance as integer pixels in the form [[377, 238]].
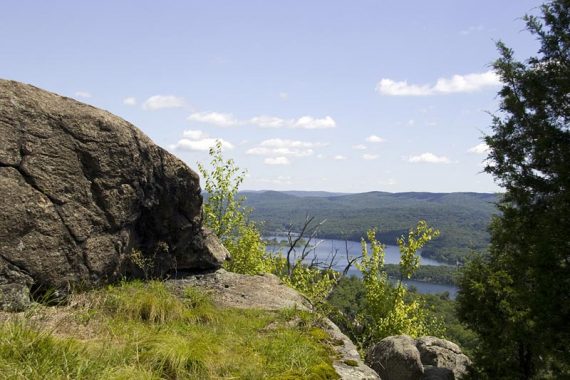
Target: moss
[[350, 362]]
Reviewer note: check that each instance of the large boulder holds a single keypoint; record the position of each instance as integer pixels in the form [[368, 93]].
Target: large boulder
[[442, 353], [427, 358], [88, 198], [395, 358]]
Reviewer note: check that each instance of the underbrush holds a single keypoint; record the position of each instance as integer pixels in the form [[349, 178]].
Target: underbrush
[[142, 331]]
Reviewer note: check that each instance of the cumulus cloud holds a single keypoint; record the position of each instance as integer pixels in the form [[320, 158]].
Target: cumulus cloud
[[263, 121], [429, 158], [194, 134], [130, 101], [277, 161], [479, 149], [284, 148], [375, 139], [268, 121], [309, 122], [199, 141], [369, 157], [304, 122], [83, 94], [455, 84], [157, 102], [359, 147], [215, 118], [339, 157]]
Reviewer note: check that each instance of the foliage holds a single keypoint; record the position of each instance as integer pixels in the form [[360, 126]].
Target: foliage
[[434, 274], [517, 298], [125, 343], [387, 309], [313, 282], [226, 216], [348, 298]]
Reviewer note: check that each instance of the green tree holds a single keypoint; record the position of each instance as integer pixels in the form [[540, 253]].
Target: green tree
[[517, 298], [388, 310], [226, 216]]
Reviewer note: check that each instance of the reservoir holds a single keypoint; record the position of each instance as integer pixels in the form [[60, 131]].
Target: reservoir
[[325, 249]]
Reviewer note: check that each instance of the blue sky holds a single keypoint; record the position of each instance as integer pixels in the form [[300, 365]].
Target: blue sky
[[344, 96]]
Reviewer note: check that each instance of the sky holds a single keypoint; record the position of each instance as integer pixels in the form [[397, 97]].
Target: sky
[[340, 96]]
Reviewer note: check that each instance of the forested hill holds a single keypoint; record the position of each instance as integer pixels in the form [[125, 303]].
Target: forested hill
[[462, 218]]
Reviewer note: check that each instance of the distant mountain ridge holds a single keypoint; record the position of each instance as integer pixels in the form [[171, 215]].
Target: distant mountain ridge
[[461, 217]]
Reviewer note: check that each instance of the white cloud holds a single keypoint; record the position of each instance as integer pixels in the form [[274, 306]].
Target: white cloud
[[194, 134], [157, 102], [83, 94], [200, 145], [264, 121], [277, 161], [198, 141], [284, 96], [369, 157], [309, 122], [284, 147], [455, 84], [130, 101], [375, 139], [304, 122], [339, 157], [482, 148], [268, 121], [429, 158], [359, 147], [281, 143], [215, 118]]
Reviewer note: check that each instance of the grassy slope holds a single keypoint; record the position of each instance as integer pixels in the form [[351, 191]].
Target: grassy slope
[[462, 218], [140, 330]]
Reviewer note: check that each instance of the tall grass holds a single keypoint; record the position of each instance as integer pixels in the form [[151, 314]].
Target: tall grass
[[142, 331]]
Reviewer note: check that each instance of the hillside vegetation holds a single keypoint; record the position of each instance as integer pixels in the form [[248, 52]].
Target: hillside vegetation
[[462, 218]]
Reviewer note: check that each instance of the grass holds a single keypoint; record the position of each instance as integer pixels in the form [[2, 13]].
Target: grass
[[141, 331]]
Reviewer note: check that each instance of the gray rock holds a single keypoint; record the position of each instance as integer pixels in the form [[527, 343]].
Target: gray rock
[[442, 353], [264, 291], [81, 189], [347, 363], [427, 358], [435, 373], [395, 358]]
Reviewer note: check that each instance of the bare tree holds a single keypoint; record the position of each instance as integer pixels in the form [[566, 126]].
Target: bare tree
[[306, 242]]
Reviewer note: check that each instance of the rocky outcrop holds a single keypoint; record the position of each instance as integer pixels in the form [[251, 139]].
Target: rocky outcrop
[[427, 358], [442, 354], [395, 358], [82, 190]]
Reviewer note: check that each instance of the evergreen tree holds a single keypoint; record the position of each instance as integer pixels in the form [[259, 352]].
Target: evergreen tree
[[518, 297]]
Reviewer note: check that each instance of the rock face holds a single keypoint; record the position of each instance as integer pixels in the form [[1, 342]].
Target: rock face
[[82, 192], [395, 358], [427, 358]]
